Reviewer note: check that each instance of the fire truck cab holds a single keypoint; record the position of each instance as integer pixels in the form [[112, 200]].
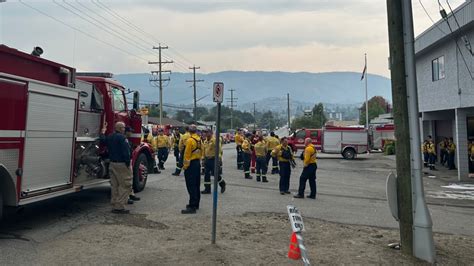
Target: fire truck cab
[[50, 126]]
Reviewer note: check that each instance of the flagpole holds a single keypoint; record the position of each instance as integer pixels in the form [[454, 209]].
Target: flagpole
[[366, 96]]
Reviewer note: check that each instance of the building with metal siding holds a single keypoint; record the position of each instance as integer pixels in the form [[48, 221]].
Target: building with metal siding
[[445, 85]]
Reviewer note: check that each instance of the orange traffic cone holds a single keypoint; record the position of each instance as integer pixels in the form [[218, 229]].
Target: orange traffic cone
[[294, 252]]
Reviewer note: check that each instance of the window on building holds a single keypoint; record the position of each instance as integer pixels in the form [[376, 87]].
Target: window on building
[[118, 99], [437, 68]]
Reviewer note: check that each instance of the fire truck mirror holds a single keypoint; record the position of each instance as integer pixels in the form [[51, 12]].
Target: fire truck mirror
[[136, 100]]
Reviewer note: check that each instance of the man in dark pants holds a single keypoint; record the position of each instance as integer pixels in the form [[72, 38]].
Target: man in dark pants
[[162, 145], [181, 146], [239, 138], [247, 155], [309, 170], [451, 153], [119, 167], [272, 142], [285, 155], [192, 170], [175, 143], [209, 147]]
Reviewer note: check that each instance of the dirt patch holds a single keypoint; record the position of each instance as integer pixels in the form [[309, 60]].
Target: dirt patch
[[249, 239], [137, 220]]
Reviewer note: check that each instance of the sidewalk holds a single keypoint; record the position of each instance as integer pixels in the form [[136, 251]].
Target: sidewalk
[[443, 188]]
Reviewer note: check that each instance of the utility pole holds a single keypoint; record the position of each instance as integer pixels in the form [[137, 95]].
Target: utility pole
[[288, 109], [232, 100], [160, 79], [254, 117], [194, 86], [416, 234]]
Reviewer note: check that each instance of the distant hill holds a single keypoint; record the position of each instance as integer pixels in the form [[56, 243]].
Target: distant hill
[[254, 86]]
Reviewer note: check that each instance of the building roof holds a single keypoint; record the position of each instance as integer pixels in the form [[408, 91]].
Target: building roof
[[440, 31], [166, 121]]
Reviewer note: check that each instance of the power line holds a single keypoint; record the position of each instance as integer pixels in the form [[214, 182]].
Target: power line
[[106, 29], [137, 29], [160, 78], [432, 20], [194, 86], [445, 17], [467, 44], [81, 31], [232, 100]]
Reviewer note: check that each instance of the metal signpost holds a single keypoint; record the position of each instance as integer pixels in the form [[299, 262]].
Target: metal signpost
[[218, 96], [297, 225]]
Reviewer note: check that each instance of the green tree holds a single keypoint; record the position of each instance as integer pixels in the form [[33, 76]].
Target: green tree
[[184, 116], [201, 112], [317, 118], [154, 111], [377, 106]]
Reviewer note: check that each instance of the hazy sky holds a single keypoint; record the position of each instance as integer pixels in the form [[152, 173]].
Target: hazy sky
[[272, 35]]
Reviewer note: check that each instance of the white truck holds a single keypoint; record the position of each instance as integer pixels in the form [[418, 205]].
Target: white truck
[[348, 141]]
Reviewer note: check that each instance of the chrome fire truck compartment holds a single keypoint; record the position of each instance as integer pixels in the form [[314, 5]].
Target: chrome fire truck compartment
[[45, 134], [345, 140]]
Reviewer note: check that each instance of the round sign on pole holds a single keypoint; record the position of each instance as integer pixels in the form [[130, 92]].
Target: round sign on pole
[[218, 92]]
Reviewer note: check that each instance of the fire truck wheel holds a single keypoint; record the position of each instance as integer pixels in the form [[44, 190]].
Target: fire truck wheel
[[349, 154], [140, 173]]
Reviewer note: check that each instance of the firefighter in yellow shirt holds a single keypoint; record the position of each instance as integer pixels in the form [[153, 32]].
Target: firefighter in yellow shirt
[[174, 143], [431, 149], [192, 170], [246, 155], [208, 156], [272, 142], [285, 157], [451, 152], [424, 150], [443, 151], [309, 170], [239, 139], [261, 159], [162, 148], [181, 144]]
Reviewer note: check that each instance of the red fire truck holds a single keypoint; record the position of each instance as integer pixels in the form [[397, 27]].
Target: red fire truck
[[348, 141], [51, 120], [380, 134]]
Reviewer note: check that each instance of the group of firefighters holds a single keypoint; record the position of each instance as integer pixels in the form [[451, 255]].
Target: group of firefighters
[[254, 152], [447, 150], [194, 149]]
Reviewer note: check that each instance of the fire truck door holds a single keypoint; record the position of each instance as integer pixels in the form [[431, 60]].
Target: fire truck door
[[50, 130]]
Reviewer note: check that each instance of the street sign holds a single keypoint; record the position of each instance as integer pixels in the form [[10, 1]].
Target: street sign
[[295, 219], [218, 92]]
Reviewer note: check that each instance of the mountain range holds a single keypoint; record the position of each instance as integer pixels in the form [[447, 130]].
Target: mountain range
[[260, 86]]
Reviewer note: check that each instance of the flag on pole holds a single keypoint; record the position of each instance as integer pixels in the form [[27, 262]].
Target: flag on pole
[[363, 72]]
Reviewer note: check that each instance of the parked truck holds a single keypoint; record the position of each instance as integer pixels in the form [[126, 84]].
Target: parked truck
[[50, 125], [347, 141], [380, 134]]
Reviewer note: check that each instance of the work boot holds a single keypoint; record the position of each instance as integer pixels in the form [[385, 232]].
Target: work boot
[[258, 178], [188, 211], [187, 207], [311, 196], [129, 201], [134, 198], [207, 190], [176, 173], [264, 179], [222, 184], [298, 196], [248, 176]]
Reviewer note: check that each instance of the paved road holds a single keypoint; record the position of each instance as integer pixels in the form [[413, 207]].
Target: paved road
[[348, 192]]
